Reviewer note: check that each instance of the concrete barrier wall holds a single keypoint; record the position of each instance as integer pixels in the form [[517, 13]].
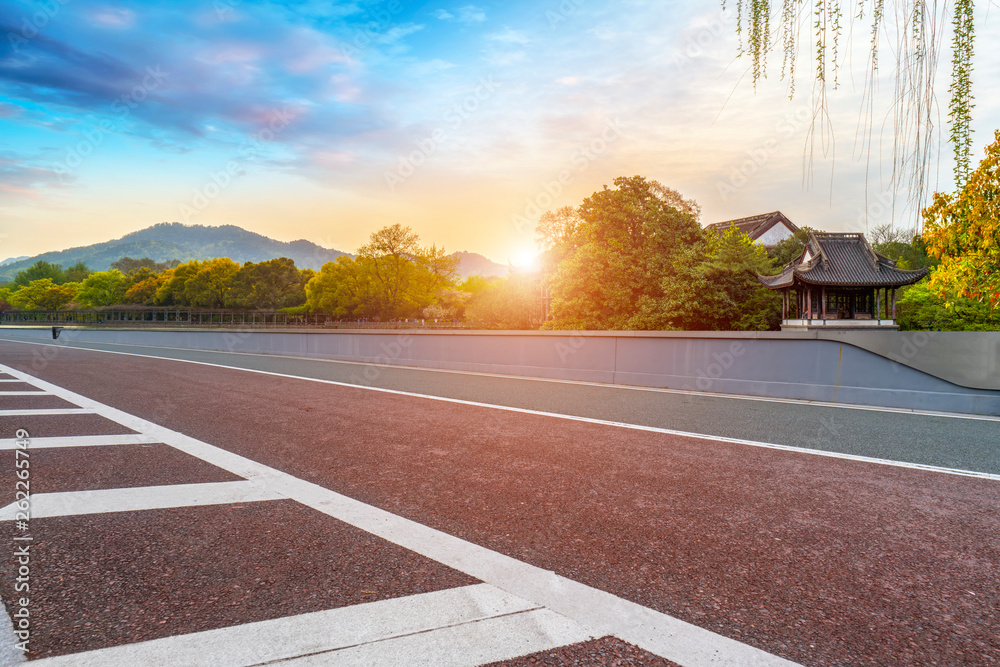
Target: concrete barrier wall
[[778, 365]]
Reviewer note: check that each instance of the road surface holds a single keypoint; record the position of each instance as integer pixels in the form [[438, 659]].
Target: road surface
[[246, 509]]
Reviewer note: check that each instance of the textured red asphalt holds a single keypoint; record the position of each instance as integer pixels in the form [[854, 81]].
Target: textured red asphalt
[[40, 402], [109, 579], [50, 426], [85, 468], [819, 560]]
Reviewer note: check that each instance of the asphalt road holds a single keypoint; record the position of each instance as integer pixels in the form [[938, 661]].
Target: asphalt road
[[815, 559], [951, 442]]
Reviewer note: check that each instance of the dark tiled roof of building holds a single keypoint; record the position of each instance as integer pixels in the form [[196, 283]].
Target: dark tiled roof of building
[[843, 260], [755, 225]]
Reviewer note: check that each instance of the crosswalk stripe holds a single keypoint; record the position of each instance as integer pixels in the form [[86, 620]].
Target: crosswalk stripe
[[80, 441], [446, 625], [141, 498]]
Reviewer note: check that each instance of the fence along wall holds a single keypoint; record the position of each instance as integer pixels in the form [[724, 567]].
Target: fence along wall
[[776, 365]]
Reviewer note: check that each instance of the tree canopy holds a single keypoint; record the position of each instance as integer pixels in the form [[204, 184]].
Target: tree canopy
[[963, 232]]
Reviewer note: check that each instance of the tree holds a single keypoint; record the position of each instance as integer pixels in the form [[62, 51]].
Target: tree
[[618, 260], [963, 231], [40, 270], [42, 294], [919, 307], [172, 290], [392, 252], [734, 299], [209, 286], [128, 265], [345, 288], [77, 273], [508, 303], [918, 29], [272, 284], [105, 288], [790, 249]]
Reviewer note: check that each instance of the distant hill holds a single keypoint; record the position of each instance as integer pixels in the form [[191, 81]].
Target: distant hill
[[11, 260], [474, 264], [172, 240]]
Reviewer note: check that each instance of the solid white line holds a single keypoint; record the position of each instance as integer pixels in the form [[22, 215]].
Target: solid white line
[[42, 412], [591, 420], [319, 633], [600, 612], [101, 501], [80, 441], [661, 390], [11, 379], [24, 393]]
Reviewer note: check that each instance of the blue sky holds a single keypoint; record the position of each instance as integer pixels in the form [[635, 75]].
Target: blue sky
[[327, 121]]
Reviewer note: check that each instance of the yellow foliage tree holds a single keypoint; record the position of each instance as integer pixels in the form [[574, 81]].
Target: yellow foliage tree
[[963, 231]]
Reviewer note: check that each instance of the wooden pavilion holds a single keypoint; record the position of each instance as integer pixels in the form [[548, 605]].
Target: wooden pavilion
[[840, 281]]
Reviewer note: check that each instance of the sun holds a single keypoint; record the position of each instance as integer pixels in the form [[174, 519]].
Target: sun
[[526, 260]]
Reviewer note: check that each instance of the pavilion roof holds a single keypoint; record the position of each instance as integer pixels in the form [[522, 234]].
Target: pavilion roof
[[755, 225], [842, 260]]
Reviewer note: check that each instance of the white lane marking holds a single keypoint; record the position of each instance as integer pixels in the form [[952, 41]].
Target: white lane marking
[[591, 420], [321, 632], [466, 645], [102, 501], [24, 393], [9, 653], [595, 609], [81, 441], [42, 412], [11, 380], [662, 390]]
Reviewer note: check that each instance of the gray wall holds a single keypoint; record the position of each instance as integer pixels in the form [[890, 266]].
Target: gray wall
[[803, 365]]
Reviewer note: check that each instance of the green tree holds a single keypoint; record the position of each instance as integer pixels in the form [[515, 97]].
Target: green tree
[[43, 294], [77, 273], [345, 288], [391, 254], [40, 270], [620, 259], [920, 307], [270, 285], [173, 287], [963, 232], [790, 249], [209, 286], [105, 288]]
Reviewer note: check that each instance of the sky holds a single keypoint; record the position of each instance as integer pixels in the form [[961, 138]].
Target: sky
[[329, 120]]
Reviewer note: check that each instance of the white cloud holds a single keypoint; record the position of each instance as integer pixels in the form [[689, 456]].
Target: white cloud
[[443, 15], [471, 14], [508, 36]]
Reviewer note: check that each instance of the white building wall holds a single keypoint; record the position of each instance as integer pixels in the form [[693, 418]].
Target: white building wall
[[775, 235]]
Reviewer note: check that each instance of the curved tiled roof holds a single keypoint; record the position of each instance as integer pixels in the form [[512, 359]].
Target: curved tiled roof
[[755, 225], [843, 260]]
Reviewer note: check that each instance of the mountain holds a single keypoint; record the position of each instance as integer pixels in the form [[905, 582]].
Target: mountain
[[11, 260], [173, 240], [474, 264]]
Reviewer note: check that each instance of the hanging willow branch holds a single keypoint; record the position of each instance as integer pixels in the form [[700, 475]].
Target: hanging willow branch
[[918, 26]]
